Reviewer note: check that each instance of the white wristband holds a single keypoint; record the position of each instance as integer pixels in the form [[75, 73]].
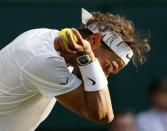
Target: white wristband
[[93, 76]]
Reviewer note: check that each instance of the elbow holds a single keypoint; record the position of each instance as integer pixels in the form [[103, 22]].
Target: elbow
[[105, 119], [101, 117]]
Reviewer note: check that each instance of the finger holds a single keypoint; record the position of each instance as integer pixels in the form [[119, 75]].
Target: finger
[[78, 35], [72, 43], [64, 47], [70, 40], [62, 43], [70, 52]]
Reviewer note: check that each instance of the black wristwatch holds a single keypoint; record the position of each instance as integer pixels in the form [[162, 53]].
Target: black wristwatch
[[84, 60]]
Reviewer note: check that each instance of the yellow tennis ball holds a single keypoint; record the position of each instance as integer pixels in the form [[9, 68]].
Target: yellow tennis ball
[[63, 33]]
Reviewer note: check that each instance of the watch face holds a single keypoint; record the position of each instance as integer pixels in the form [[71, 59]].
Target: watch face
[[85, 59]]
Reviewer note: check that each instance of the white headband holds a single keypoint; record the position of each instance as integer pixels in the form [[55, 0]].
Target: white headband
[[110, 38]]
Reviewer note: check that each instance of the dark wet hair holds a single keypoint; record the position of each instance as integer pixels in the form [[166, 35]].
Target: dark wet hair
[[126, 29]]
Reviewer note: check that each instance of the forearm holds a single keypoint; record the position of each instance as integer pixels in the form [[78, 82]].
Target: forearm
[[91, 99], [97, 106], [85, 104]]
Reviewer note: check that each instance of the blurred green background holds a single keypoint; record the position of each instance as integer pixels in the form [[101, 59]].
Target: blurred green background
[[128, 88]]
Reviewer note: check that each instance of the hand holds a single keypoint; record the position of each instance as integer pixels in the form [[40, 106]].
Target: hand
[[75, 49]]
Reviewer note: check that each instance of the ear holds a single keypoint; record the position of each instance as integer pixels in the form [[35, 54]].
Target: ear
[[95, 39]]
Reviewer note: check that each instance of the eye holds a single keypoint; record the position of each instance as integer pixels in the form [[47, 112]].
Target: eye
[[115, 65]]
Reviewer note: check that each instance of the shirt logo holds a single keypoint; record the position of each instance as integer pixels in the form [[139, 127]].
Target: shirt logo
[[64, 83], [93, 82]]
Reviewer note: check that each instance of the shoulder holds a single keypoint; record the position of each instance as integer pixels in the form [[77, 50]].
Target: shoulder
[[36, 42], [38, 33]]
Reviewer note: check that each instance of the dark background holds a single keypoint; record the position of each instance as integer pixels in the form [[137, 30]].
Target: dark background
[[128, 88]]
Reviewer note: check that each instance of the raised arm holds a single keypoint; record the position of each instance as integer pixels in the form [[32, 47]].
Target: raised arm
[[93, 104]]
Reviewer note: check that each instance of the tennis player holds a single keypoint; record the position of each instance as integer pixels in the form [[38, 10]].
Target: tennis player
[[39, 68]]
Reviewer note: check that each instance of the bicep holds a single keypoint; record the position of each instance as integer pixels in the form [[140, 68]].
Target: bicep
[[73, 100]]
